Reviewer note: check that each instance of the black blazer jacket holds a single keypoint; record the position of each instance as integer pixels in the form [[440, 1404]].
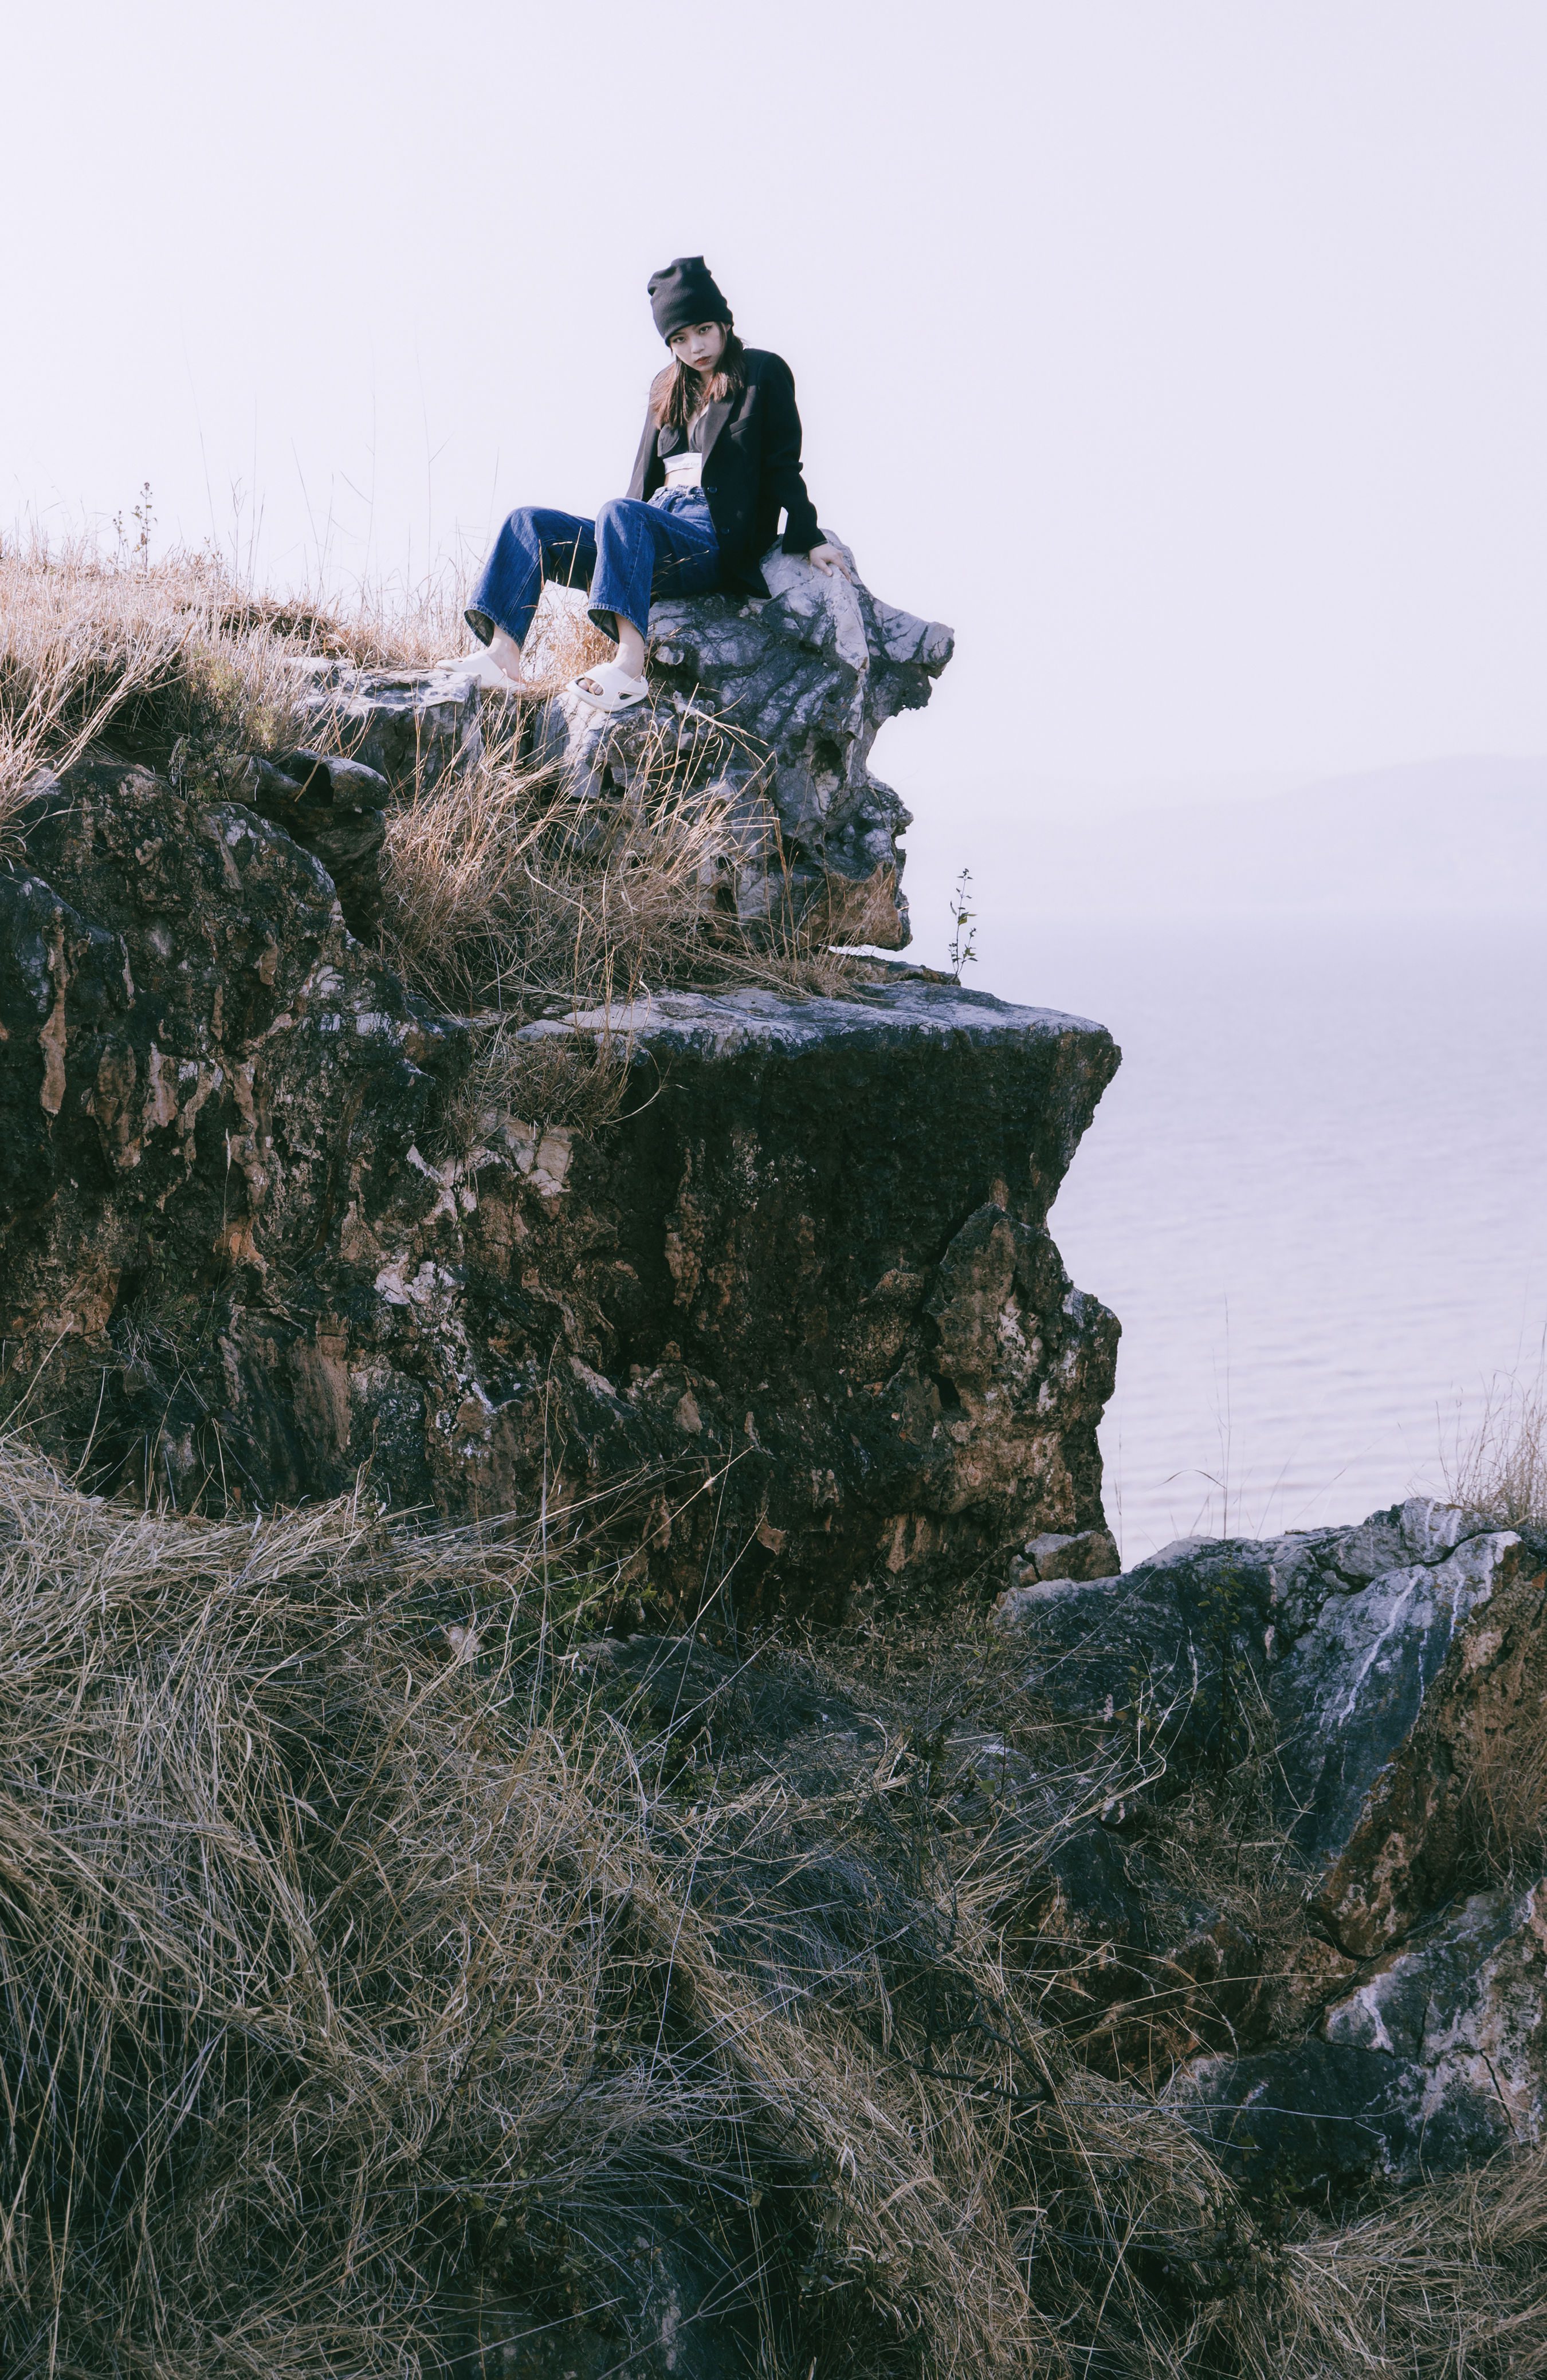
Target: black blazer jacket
[[751, 471]]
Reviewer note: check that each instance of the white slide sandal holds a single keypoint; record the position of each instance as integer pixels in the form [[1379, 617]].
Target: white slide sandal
[[615, 689]]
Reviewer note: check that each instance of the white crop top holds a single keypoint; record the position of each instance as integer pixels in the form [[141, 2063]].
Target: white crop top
[[684, 468]]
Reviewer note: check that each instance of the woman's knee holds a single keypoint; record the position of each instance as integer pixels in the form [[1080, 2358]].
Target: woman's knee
[[617, 513]]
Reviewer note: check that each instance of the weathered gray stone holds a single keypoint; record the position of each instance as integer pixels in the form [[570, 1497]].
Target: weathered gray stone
[[1348, 1664], [409, 726], [1352, 1683], [805, 681], [769, 704], [332, 807], [1093, 1554], [1384, 1681], [1467, 2000], [1434, 2061]]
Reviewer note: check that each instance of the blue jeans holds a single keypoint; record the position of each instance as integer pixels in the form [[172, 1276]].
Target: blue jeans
[[629, 553]]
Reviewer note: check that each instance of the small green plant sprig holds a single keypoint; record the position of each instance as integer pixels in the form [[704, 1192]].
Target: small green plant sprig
[[963, 919]]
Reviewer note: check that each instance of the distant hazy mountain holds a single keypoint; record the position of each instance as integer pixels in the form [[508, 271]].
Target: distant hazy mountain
[[1439, 836]]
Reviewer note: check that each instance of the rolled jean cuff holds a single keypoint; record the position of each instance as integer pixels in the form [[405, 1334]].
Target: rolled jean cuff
[[606, 617]]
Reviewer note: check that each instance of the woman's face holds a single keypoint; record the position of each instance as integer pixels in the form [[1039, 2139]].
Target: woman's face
[[701, 346]]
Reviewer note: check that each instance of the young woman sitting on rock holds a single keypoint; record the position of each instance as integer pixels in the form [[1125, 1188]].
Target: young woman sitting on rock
[[719, 461]]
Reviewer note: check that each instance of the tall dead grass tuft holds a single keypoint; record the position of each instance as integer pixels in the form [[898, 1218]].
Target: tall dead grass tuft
[[508, 887], [150, 659], [1496, 1463], [384, 1956], [562, 643], [579, 1081], [178, 656], [504, 885], [1449, 2283]]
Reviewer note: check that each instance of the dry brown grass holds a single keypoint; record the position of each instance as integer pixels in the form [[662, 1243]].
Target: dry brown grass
[[344, 1930], [1450, 2283], [1496, 1461], [579, 1081], [503, 886], [86, 650], [376, 1943], [509, 888], [504, 889], [172, 662], [561, 644], [149, 655]]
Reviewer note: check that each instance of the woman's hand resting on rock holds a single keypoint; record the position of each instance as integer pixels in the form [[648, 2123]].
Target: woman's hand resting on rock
[[827, 558]]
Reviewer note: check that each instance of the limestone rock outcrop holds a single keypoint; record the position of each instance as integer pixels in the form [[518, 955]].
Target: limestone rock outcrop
[[1363, 1650], [412, 726], [772, 702], [1435, 2060], [796, 687], [801, 1294], [334, 809], [1390, 1682]]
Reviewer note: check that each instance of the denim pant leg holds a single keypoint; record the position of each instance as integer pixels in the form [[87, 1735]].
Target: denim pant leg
[[665, 548], [533, 545]]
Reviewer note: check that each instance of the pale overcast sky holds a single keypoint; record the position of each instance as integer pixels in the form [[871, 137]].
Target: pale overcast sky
[[1188, 356]]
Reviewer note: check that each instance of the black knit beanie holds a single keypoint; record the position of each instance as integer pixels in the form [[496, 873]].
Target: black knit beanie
[[685, 292]]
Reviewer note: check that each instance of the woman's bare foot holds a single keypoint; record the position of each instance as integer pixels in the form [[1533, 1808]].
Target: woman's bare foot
[[630, 658], [630, 649], [506, 654]]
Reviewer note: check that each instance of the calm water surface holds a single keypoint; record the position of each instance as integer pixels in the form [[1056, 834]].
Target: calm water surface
[[1315, 1196]]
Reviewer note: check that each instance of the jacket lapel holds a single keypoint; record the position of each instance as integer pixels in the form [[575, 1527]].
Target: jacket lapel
[[714, 420]]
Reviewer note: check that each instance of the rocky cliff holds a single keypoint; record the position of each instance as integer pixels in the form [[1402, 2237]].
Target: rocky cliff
[[1133, 1959], [797, 1304]]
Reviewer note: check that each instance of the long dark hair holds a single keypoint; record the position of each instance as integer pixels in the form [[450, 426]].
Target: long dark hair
[[677, 392]]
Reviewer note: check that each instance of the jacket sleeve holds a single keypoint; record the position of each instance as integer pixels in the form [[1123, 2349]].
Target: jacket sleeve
[[649, 474], [781, 461]]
